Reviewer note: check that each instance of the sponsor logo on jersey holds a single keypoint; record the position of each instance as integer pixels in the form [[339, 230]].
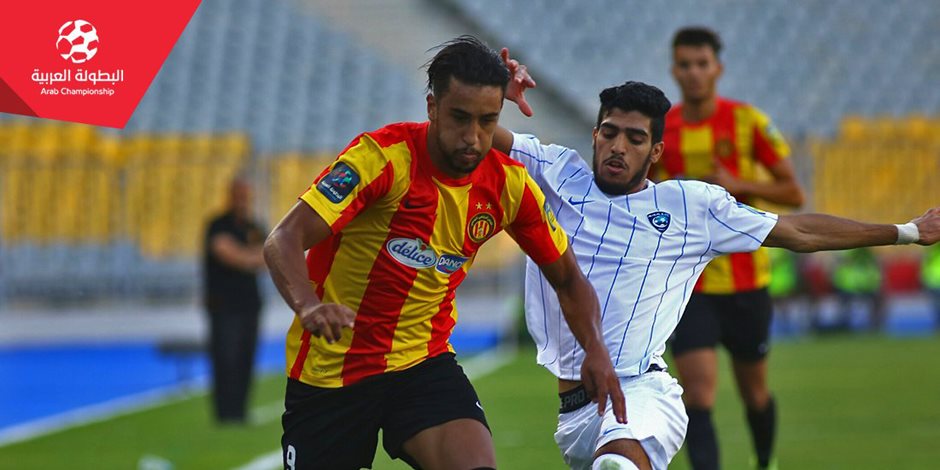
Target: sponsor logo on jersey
[[550, 216], [480, 227], [660, 220], [412, 252], [449, 264], [338, 183]]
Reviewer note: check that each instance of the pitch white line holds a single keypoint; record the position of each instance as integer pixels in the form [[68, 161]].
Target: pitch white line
[[476, 367], [267, 461], [100, 412]]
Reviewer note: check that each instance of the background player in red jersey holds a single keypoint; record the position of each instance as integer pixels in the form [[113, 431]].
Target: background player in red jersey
[[721, 141], [392, 227]]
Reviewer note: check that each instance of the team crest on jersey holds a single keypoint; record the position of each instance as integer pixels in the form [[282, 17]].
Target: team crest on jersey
[[480, 227], [660, 220], [338, 183], [550, 216], [724, 147]]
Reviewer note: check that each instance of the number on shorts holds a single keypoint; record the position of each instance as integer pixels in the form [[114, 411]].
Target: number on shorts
[[291, 457]]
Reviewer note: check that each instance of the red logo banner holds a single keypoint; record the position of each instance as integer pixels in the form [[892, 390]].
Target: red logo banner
[[89, 62]]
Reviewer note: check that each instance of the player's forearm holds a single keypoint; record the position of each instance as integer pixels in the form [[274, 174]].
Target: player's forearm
[[284, 255], [787, 192], [582, 313], [807, 233]]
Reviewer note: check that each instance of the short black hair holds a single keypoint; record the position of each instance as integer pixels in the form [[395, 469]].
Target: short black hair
[[637, 96], [469, 60], [697, 36]]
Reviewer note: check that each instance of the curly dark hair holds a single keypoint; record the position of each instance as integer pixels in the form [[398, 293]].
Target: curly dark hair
[[637, 96], [470, 61]]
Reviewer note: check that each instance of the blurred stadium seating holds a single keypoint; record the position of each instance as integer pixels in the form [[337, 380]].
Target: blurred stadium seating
[[273, 90], [806, 63]]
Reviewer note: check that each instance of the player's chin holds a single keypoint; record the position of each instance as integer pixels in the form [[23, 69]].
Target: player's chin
[[614, 185]]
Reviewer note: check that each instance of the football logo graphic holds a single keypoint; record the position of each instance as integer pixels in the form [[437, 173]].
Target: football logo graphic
[[78, 41]]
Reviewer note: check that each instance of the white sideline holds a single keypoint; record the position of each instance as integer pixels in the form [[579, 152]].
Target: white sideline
[[101, 411], [475, 367]]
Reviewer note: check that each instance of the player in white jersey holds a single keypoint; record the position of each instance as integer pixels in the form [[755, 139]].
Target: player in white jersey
[[642, 246]]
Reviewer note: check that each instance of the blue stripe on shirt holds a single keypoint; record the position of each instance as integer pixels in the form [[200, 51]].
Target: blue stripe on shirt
[[685, 236], [637, 301], [752, 237], [617, 272]]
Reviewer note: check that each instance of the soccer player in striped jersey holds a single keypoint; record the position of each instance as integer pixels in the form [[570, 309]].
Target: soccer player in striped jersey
[[725, 142], [392, 227], [643, 246]]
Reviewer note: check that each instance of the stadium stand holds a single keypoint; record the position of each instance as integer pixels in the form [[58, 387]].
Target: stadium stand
[[121, 213], [271, 89], [798, 61]]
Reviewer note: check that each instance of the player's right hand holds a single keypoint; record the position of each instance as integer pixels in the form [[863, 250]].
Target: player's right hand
[[327, 320], [600, 382]]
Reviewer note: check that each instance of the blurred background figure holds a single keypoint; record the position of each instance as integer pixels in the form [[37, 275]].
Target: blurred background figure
[[784, 289], [930, 279], [233, 301], [856, 278], [734, 145]]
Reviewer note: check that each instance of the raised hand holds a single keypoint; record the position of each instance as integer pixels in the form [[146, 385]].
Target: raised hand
[[519, 82]]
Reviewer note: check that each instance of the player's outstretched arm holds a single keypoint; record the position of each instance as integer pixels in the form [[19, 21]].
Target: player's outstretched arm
[[582, 312], [816, 232], [284, 250]]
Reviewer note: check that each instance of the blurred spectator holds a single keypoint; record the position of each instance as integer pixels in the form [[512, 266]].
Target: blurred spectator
[[856, 278], [930, 279], [232, 261]]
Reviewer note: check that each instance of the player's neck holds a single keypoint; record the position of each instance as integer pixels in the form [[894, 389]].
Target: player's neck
[[699, 110], [437, 156]]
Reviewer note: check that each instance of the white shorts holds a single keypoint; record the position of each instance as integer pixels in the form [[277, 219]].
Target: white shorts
[[655, 417]]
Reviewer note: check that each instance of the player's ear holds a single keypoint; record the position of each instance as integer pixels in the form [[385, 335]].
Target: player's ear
[[657, 151], [432, 107]]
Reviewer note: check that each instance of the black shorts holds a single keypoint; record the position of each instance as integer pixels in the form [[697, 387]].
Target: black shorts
[[337, 428], [741, 322]]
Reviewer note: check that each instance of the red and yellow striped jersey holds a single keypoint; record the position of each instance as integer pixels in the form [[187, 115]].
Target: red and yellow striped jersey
[[403, 237], [738, 137]]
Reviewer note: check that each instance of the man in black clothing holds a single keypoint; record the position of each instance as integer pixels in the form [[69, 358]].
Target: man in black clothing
[[232, 260]]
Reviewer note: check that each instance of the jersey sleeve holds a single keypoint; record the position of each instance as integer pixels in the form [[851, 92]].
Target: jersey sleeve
[[537, 158], [769, 145], [531, 222], [735, 227], [359, 177]]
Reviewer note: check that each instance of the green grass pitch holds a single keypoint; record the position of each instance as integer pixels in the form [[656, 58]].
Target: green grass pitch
[[845, 402]]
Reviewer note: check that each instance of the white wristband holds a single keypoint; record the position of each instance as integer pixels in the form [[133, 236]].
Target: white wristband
[[907, 233]]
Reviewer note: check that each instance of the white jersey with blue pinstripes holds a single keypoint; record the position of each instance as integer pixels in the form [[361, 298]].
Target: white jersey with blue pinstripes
[[642, 253]]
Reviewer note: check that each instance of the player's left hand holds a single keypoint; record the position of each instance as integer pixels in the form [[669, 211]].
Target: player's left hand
[[600, 382], [929, 227], [722, 177], [519, 82]]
